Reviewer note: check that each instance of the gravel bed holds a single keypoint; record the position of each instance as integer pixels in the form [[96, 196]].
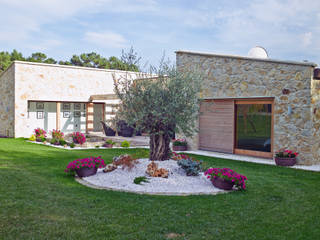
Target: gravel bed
[[176, 184]]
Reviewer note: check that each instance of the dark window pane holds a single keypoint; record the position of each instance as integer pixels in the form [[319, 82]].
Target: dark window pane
[[253, 127]]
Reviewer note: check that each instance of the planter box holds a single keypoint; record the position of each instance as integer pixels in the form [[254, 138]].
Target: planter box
[[179, 148], [222, 183], [86, 172], [285, 161]]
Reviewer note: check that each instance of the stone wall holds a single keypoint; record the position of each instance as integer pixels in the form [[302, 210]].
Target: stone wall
[[315, 111], [7, 103], [238, 77], [48, 82]]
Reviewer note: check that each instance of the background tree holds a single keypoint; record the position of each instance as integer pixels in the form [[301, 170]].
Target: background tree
[[128, 62], [160, 106]]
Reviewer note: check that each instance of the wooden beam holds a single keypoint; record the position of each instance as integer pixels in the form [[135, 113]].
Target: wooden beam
[[110, 96], [58, 113]]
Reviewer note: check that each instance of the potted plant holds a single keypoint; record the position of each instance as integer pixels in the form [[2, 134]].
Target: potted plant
[[226, 178], [109, 143], [179, 145], [78, 138], [40, 134], [85, 167], [285, 157]]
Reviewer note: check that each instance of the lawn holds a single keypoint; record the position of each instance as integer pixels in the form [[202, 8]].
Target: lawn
[[39, 201]]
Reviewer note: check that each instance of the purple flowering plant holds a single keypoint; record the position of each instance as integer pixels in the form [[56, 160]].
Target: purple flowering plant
[[90, 162], [78, 137], [228, 174]]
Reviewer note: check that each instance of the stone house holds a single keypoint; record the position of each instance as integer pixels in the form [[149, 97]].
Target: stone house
[[255, 106], [53, 96]]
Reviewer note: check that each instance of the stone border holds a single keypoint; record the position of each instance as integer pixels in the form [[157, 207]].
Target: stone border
[[90, 185]]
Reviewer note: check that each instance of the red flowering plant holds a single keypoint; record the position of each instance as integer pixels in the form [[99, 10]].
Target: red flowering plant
[[285, 153], [39, 132], [57, 134], [78, 137], [227, 174], [90, 162], [179, 142]]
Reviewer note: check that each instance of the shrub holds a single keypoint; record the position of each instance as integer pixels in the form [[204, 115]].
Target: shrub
[[286, 154], [228, 174], [32, 138], [125, 144], [72, 145], [62, 142], [55, 141], [139, 180], [91, 162], [126, 161], [78, 137], [39, 132], [179, 142], [42, 139], [109, 141], [57, 134], [190, 166]]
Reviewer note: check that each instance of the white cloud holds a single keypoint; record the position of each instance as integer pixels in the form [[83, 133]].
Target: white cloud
[[106, 39], [307, 39]]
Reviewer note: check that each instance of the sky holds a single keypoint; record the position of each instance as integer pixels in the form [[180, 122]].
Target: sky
[[288, 29]]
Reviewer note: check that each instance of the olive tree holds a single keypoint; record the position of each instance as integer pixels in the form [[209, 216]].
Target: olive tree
[[160, 105]]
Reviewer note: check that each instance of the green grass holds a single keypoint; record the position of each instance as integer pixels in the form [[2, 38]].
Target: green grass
[[39, 201]]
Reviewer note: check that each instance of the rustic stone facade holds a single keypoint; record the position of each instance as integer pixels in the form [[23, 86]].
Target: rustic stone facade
[[289, 83], [7, 103], [27, 81]]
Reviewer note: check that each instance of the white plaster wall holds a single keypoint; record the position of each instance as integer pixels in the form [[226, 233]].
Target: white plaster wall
[[49, 82]]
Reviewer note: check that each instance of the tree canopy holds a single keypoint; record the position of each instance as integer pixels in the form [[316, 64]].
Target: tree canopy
[[128, 61], [160, 105]]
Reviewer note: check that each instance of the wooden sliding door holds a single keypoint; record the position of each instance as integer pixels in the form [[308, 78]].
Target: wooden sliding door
[[216, 124]]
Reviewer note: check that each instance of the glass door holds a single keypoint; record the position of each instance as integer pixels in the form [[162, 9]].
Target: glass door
[[253, 135]]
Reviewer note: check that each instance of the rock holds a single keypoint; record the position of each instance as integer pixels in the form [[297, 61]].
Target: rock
[[109, 168], [154, 171]]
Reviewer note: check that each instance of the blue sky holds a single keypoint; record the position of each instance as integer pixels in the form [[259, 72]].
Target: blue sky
[[289, 29]]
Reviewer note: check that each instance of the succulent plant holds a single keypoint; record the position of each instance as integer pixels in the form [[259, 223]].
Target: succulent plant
[[191, 167]]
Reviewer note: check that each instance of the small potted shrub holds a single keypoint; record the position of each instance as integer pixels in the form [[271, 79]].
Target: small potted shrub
[[32, 138], [190, 166], [125, 144], [78, 138], [109, 143], [55, 141], [179, 145], [40, 134], [285, 157], [226, 178], [85, 167]]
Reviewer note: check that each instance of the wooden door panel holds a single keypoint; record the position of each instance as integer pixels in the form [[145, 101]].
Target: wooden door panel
[[217, 125]]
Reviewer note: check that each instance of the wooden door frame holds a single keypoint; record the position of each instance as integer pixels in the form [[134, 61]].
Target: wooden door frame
[[251, 152]]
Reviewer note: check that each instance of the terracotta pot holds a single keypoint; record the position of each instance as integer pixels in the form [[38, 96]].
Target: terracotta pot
[[107, 145], [222, 183], [179, 148], [285, 161], [86, 172]]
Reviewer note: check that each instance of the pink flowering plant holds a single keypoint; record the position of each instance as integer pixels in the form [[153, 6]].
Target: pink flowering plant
[[227, 174], [57, 134], [78, 137], [285, 153], [40, 133], [179, 142], [90, 162]]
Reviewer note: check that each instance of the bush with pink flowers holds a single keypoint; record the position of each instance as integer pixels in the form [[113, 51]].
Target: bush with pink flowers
[[228, 174], [40, 133], [286, 154], [78, 137], [90, 162], [57, 134]]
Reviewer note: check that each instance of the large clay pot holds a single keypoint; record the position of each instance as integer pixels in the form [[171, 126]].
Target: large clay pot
[[222, 183], [285, 161], [107, 145], [86, 172], [179, 148]]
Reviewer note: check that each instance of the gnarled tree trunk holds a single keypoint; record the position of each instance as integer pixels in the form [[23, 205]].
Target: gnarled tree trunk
[[159, 147]]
